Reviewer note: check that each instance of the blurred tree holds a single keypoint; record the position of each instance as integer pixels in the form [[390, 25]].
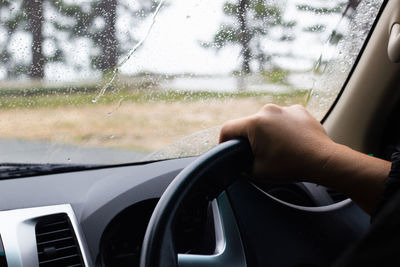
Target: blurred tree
[[25, 16], [95, 20], [34, 11], [252, 20], [107, 39], [8, 25]]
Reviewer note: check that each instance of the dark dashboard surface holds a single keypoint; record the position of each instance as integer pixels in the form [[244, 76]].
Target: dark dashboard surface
[[112, 206], [96, 196]]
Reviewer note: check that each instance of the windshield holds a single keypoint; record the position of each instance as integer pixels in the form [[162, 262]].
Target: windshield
[[118, 81]]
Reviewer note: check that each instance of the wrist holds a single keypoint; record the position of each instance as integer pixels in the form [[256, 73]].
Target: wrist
[[328, 162], [358, 175]]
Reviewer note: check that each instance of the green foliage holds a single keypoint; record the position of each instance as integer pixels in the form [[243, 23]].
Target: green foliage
[[315, 28], [40, 97], [230, 9], [262, 11], [323, 10], [276, 76], [227, 34]]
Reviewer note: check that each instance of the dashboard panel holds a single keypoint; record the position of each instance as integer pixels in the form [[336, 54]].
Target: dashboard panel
[[95, 196], [109, 209]]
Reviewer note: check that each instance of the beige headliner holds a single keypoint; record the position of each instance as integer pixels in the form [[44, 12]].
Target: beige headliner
[[373, 89]]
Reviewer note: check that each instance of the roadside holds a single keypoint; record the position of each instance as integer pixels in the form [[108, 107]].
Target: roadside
[[132, 119], [146, 126]]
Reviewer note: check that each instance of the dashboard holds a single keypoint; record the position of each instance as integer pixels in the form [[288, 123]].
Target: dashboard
[[103, 215], [91, 199]]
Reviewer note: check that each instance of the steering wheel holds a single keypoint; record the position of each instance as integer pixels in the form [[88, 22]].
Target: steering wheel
[[326, 229], [215, 170]]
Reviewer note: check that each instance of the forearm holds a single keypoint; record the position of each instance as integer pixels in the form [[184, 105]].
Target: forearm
[[360, 176], [288, 143]]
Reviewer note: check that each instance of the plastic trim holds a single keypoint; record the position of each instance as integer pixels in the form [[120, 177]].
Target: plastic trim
[[17, 229], [331, 207], [229, 250]]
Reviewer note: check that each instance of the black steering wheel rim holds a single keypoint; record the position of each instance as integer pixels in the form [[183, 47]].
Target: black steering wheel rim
[[217, 169]]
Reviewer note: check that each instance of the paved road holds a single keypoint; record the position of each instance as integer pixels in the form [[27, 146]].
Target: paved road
[[12, 151]]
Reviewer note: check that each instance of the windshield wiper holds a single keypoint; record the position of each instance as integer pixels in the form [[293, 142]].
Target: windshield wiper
[[14, 170]]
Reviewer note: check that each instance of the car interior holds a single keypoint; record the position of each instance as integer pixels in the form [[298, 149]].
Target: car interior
[[206, 210]]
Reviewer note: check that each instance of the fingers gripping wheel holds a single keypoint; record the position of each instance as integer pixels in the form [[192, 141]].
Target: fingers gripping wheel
[[215, 171]]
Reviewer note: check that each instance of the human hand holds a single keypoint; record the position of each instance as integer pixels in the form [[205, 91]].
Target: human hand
[[287, 142]]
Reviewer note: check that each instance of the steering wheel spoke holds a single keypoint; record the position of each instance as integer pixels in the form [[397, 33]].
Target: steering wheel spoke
[[215, 171], [229, 248]]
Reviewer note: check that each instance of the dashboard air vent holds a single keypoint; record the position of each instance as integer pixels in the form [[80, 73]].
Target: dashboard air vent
[[56, 242]]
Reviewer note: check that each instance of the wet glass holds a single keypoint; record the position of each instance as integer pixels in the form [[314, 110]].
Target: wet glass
[[107, 81]]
